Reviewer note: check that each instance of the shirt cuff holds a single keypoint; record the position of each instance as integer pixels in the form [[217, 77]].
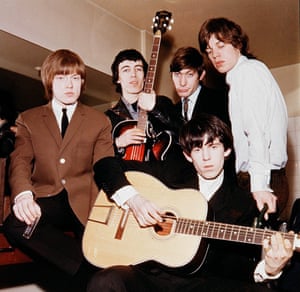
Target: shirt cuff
[[260, 274], [260, 182], [123, 194]]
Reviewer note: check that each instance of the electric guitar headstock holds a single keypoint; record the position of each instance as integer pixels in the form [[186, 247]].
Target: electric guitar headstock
[[162, 22]]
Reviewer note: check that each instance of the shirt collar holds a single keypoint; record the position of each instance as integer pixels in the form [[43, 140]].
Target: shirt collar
[[208, 187], [193, 97], [241, 59], [57, 109]]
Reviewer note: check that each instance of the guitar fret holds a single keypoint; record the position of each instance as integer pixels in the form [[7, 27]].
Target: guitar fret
[[223, 231]]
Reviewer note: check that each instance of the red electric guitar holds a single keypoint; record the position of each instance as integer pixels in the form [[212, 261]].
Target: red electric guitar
[[156, 145]]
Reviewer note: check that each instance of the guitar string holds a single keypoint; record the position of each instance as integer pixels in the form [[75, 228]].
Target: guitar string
[[208, 229]]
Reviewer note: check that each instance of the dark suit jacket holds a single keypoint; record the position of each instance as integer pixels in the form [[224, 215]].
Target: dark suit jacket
[[45, 164], [230, 204], [209, 101], [161, 118]]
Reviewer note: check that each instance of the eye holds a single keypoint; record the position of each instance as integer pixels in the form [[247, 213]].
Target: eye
[[196, 149], [208, 51], [220, 45], [76, 77], [59, 77]]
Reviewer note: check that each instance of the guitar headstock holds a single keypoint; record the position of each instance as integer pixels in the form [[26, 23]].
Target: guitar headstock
[[162, 21]]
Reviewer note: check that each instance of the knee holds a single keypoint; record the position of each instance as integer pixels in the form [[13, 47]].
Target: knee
[[109, 279], [13, 228]]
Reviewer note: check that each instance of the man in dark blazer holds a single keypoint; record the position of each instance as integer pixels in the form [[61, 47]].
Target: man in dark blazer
[[51, 174], [207, 144], [188, 72]]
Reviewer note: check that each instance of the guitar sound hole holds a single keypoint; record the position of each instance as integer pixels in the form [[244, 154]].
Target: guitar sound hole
[[165, 228]]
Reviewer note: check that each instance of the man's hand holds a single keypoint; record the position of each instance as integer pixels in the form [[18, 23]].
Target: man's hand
[[277, 252], [263, 197], [146, 101], [130, 136], [145, 212], [26, 209]]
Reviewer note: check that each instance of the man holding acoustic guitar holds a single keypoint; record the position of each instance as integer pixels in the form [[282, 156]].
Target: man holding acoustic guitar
[[229, 264]]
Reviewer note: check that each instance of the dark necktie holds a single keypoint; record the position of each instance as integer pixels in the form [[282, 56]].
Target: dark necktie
[[134, 106], [185, 108], [64, 122]]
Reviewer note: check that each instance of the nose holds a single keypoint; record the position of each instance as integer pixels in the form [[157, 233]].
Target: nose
[[205, 154], [182, 79], [215, 53], [68, 81], [133, 73]]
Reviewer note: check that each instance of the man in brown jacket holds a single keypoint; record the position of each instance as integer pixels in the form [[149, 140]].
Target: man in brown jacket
[[51, 173]]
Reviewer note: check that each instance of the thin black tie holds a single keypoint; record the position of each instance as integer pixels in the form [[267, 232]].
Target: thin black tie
[[185, 108], [64, 122], [134, 106]]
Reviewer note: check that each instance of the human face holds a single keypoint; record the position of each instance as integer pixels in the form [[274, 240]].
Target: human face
[[66, 88], [223, 56], [131, 77], [209, 159], [186, 82]]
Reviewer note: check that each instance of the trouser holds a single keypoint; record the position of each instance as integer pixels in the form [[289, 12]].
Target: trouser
[[278, 183], [133, 279], [49, 240]]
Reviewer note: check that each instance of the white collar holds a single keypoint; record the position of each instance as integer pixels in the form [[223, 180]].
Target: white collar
[[208, 187]]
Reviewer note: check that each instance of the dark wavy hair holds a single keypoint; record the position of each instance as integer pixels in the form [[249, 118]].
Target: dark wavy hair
[[128, 54], [226, 31], [193, 133]]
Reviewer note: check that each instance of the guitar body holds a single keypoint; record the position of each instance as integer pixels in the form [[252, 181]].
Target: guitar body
[[155, 147], [113, 237]]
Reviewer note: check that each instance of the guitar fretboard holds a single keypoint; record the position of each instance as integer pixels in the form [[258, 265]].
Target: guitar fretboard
[[229, 232], [149, 81]]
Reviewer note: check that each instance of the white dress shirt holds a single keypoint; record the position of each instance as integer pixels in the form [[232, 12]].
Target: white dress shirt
[[259, 121], [57, 110]]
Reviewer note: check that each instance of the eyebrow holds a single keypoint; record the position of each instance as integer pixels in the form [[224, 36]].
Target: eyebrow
[[127, 66]]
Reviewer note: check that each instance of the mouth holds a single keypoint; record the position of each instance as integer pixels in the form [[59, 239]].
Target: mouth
[[219, 64], [69, 94]]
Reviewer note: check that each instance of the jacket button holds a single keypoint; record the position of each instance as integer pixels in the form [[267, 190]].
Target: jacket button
[[62, 161]]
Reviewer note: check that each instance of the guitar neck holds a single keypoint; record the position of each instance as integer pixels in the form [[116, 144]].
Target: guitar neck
[[150, 77], [149, 81], [229, 232]]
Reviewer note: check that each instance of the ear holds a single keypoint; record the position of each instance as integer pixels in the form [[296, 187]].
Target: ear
[[187, 157], [227, 153], [202, 75]]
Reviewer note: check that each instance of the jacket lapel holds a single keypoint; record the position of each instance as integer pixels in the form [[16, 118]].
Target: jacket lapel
[[75, 123], [51, 123]]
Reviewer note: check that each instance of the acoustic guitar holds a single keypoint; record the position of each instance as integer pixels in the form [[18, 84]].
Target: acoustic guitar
[[113, 237], [156, 145]]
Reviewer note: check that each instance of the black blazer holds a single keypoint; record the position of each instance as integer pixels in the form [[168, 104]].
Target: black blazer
[[209, 101], [162, 117]]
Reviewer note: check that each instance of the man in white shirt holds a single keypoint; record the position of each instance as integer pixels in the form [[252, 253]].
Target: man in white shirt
[[257, 111]]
